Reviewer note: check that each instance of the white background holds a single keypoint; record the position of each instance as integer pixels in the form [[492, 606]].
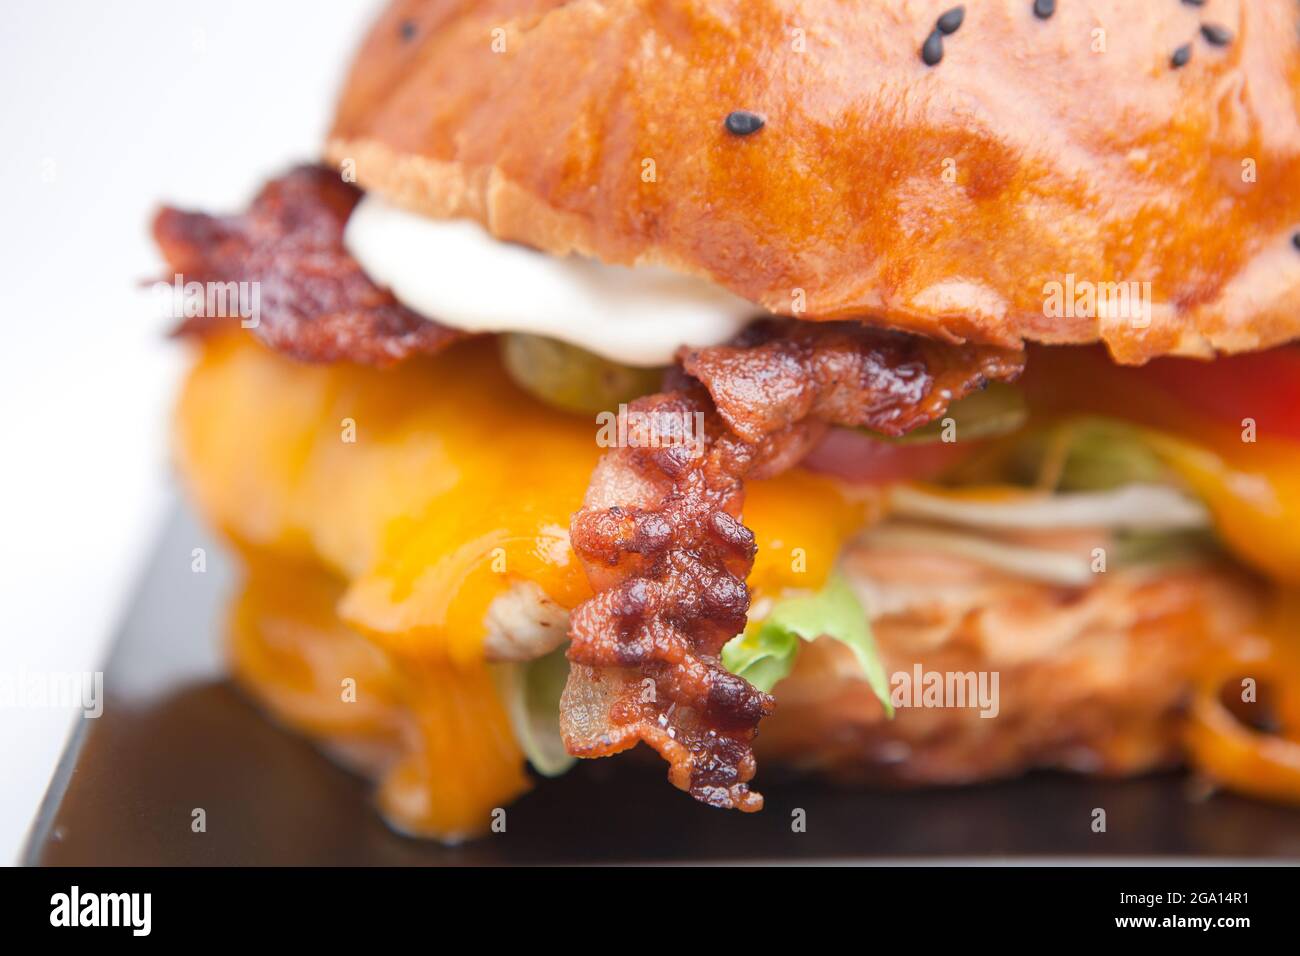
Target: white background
[[108, 107]]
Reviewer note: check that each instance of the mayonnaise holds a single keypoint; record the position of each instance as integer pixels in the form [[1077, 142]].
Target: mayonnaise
[[454, 272]]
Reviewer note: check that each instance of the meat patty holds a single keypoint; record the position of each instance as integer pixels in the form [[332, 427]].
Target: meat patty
[[1090, 679]]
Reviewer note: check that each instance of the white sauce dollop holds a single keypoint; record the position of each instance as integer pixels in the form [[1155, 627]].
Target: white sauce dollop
[[454, 272]]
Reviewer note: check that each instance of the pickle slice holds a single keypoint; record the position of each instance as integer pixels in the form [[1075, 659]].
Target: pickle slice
[[571, 378]]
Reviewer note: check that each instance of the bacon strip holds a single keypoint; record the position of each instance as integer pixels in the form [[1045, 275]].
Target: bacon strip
[[779, 372], [662, 541], [317, 305]]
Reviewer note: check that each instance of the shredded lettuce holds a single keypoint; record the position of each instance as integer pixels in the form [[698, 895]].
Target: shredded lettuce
[[766, 653], [997, 409], [531, 693], [1137, 507], [1091, 454], [1147, 548], [1065, 568]]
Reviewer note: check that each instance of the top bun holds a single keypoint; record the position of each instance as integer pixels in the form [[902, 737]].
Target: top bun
[[980, 198]]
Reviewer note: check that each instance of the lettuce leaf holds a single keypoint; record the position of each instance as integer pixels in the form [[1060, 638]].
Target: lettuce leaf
[[766, 653], [763, 655]]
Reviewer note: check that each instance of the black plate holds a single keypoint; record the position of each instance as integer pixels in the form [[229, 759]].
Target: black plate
[[176, 736]]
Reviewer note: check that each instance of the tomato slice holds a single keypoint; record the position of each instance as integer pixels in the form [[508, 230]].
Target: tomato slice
[[858, 457], [1173, 394], [1264, 386]]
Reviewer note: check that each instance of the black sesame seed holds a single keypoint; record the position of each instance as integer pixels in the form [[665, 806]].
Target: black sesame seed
[[743, 122], [407, 29], [1181, 56], [1295, 240], [1044, 8], [950, 21], [1194, 3], [932, 49], [1215, 34]]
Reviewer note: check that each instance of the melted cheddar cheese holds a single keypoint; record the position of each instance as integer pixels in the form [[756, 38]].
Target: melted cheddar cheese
[[1251, 489], [415, 496]]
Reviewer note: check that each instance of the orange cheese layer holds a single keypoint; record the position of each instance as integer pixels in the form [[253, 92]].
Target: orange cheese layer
[[423, 492], [435, 737], [1252, 491]]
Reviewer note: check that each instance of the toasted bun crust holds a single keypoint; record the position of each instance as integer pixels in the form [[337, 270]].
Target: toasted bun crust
[[939, 199]]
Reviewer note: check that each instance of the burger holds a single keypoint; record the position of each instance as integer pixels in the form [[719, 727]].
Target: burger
[[895, 392]]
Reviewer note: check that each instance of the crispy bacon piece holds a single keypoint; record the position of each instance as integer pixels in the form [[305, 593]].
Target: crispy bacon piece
[[778, 372], [662, 541], [317, 305]]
